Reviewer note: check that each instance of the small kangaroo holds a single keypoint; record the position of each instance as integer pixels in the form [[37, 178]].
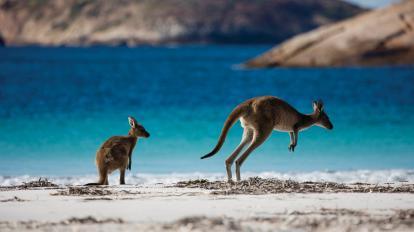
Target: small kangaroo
[[258, 117], [115, 153]]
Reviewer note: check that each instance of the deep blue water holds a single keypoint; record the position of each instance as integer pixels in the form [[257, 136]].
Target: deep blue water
[[57, 105]]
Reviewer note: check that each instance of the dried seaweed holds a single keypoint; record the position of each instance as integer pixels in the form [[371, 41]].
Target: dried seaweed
[[256, 186], [90, 220], [92, 191], [320, 220], [38, 183], [202, 223], [82, 191], [14, 199], [47, 226], [98, 199], [332, 220]]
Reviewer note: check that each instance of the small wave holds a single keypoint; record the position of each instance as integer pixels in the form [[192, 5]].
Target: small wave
[[365, 176]]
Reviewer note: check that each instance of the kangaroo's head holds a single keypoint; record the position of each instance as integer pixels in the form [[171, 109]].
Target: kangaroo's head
[[322, 118], [137, 129]]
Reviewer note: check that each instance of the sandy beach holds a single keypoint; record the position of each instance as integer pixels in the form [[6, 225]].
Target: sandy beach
[[206, 206]]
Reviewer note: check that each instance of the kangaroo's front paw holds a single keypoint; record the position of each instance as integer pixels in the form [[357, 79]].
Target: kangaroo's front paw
[[292, 147]]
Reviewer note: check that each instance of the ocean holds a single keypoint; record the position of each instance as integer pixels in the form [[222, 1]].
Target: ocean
[[58, 105]]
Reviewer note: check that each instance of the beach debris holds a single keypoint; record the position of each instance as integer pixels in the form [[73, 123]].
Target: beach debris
[[90, 220], [93, 191], [202, 223], [41, 182], [257, 185], [57, 226], [404, 215], [14, 199], [320, 220], [325, 219], [80, 191], [98, 199]]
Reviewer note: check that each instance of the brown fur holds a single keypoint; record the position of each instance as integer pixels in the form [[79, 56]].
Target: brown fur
[[115, 153], [259, 117]]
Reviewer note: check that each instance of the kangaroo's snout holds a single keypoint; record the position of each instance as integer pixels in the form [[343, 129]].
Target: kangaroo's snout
[[326, 124], [330, 127], [147, 135]]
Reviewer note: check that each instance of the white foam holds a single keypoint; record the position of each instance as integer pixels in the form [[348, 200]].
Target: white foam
[[366, 176]]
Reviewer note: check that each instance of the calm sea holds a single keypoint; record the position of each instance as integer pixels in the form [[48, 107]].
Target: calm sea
[[57, 105]]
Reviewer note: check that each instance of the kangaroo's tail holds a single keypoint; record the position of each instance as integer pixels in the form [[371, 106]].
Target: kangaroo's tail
[[92, 184], [233, 117]]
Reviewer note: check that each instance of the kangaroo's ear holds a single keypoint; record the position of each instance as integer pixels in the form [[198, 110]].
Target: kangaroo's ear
[[132, 121], [315, 106], [321, 105]]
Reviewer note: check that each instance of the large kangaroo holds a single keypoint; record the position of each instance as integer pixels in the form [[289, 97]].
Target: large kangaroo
[[115, 153], [259, 116]]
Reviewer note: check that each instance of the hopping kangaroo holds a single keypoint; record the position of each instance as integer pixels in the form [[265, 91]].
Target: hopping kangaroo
[[259, 116], [115, 153]]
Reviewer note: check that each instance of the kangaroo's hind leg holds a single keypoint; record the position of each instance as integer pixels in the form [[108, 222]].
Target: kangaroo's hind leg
[[247, 137], [258, 138], [103, 176], [122, 176]]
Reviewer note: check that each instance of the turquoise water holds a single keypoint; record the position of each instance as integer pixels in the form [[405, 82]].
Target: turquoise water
[[57, 105]]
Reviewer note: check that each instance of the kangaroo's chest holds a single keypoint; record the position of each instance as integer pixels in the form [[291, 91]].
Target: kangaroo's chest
[[118, 153]]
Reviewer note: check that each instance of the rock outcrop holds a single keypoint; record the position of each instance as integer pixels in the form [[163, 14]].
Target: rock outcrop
[[132, 22], [380, 37]]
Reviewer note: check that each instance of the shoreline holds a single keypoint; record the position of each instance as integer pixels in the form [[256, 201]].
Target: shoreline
[[380, 176]]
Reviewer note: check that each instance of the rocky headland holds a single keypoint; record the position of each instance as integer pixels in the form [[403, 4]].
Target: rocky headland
[[379, 37], [136, 22]]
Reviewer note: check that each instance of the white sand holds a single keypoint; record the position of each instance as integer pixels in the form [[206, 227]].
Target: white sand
[[157, 205], [167, 204]]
